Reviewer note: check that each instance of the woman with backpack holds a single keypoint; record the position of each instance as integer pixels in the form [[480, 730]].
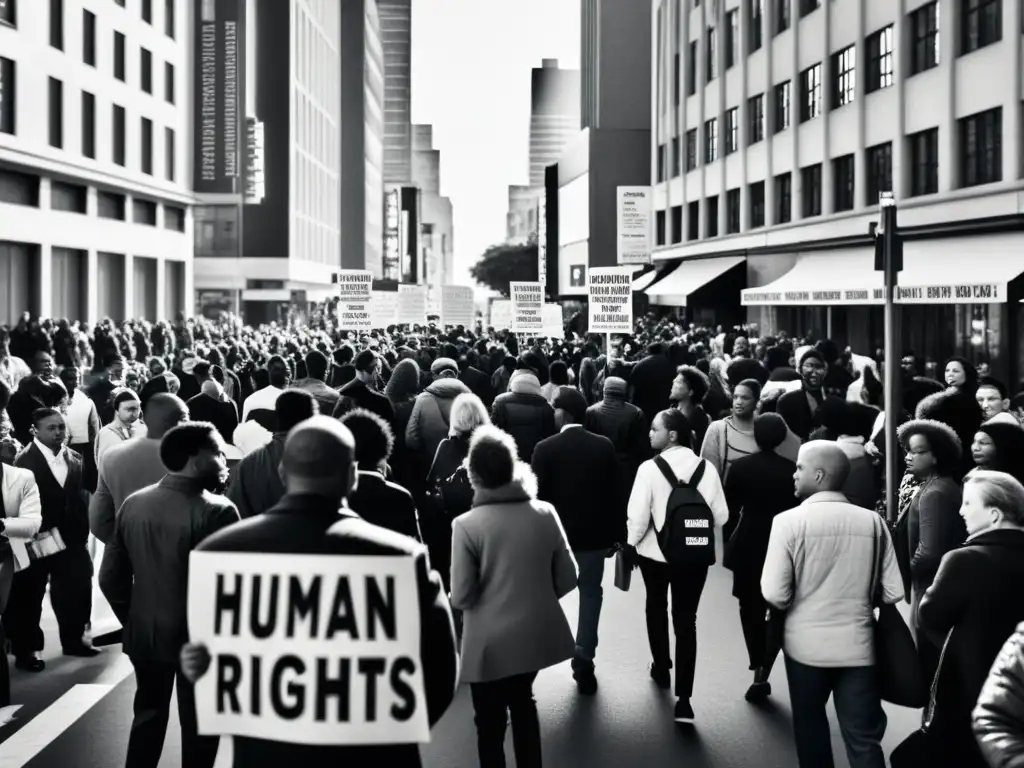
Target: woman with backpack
[[676, 504]]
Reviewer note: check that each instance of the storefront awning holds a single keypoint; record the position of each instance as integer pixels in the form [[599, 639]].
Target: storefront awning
[[673, 290], [822, 278], [645, 280]]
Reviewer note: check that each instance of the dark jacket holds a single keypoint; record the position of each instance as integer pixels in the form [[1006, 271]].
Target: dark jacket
[[651, 381], [974, 594], [525, 415], [626, 426], [362, 396], [221, 414], [795, 408], [64, 508], [313, 525], [931, 528], [999, 715], [578, 474], [256, 483], [479, 384], [385, 504], [145, 566], [430, 419]]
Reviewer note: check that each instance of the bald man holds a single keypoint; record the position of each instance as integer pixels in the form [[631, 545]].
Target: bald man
[[819, 569], [211, 405], [319, 471]]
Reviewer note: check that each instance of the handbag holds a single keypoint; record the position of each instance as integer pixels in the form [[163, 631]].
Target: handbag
[[921, 748], [896, 659], [45, 544], [623, 571]]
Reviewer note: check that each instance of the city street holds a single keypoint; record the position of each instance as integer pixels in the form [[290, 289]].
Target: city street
[[78, 712]]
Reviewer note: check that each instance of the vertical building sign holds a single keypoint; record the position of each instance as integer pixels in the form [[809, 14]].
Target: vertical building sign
[[218, 96], [392, 243], [635, 225], [255, 186], [542, 241]]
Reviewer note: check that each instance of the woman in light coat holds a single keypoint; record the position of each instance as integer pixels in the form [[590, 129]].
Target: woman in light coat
[[511, 564]]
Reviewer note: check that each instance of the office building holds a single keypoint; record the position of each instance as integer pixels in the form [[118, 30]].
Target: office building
[[554, 115], [435, 210], [523, 207], [396, 39], [95, 202], [777, 126]]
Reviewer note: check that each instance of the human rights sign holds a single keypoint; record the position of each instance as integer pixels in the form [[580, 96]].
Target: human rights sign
[[527, 308], [610, 290], [308, 649], [355, 288]]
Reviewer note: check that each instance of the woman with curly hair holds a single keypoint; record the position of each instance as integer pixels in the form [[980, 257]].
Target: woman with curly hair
[[932, 525]]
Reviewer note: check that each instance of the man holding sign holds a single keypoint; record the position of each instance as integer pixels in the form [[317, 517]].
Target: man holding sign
[[318, 638]]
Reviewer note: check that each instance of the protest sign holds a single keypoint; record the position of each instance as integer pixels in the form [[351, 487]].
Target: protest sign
[[634, 224], [610, 290], [412, 304], [553, 326], [308, 649], [383, 309], [355, 287], [501, 315], [527, 308], [457, 307]]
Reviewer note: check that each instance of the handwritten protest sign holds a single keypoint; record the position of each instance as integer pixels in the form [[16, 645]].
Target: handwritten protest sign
[[308, 649], [412, 304], [553, 325], [501, 315], [384, 309], [457, 307], [610, 290], [527, 308], [355, 287]]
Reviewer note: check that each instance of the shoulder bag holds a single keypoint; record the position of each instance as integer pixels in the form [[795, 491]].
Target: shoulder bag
[[921, 747]]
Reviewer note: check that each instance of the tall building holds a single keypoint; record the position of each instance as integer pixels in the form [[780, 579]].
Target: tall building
[[436, 236], [615, 37], [396, 37], [554, 115], [362, 139], [777, 128], [95, 201], [521, 219]]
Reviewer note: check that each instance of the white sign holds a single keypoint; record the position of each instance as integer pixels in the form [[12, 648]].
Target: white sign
[[383, 309], [457, 307], [542, 240], [527, 307], [968, 293], [355, 287], [635, 224], [308, 649], [412, 304], [610, 291], [501, 315], [554, 327]]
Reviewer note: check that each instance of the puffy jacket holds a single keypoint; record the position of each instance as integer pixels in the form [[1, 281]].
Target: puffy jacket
[[431, 415], [524, 413], [626, 426], [999, 716]]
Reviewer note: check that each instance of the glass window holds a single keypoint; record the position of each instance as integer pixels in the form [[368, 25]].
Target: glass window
[[810, 93], [844, 72], [782, 106], [981, 24], [732, 130], [810, 193], [756, 195], [924, 162], [981, 148], [755, 114], [880, 60], [924, 29], [843, 184], [879, 168], [711, 140]]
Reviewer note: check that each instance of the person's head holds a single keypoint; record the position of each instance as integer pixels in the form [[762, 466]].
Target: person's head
[[127, 406], [570, 407], [992, 500], [690, 384], [932, 448], [316, 365], [744, 398], [42, 364], [769, 431], [320, 459], [202, 371], [812, 369], [292, 407], [468, 412], [115, 368], [909, 364], [444, 368], [374, 439], [195, 450], [212, 388], [164, 412], [278, 373], [71, 378], [492, 458], [49, 428], [9, 450], [670, 429], [741, 347], [558, 373], [959, 373], [821, 466], [998, 447], [367, 365], [156, 366], [991, 397]]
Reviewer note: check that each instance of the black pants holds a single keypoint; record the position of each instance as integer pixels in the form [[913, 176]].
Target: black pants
[[69, 574], [493, 702], [155, 680], [753, 610], [687, 584]]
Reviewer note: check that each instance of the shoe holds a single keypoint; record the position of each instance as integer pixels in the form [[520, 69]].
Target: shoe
[[684, 712], [758, 692], [30, 663], [583, 674], [82, 651], [661, 677]]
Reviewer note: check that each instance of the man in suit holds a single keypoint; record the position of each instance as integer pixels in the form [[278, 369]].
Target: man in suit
[[58, 474], [577, 472], [211, 405], [360, 392], [313, 519]]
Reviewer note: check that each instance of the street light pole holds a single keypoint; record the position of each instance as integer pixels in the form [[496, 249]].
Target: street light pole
[[889, 261]]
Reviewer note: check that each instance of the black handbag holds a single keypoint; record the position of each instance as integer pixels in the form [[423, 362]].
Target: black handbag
[[730, 547], [896, 659], [921, 748]]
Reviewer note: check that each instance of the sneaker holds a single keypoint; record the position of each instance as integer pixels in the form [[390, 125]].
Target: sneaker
[[684, 712], [661, 677]]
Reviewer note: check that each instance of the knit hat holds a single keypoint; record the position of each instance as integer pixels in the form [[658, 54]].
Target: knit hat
[[444, 364], [615, 387]]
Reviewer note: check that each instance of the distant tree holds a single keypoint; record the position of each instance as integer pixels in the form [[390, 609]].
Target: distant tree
[[504, 264]]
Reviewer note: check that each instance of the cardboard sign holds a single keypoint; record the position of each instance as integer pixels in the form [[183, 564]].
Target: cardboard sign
[[635, 224], [501, 315], [355, 287], [383, 309], [412, 304], [308, 649], [554, 327], [610, 290], [527, 308], [457, 306]]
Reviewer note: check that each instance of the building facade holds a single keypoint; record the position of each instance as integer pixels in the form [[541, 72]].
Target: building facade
[[523, 207], [554, 115], [778, 124], [436, 242], [95, 203], [396, 38]]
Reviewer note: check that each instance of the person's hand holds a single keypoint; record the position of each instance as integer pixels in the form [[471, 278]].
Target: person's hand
[[195, 661], [872, 451]]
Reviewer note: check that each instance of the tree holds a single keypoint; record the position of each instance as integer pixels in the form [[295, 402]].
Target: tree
[[503, 264]]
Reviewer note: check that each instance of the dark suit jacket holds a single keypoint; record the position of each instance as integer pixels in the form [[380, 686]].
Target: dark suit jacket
[[65, 509], [313, 525], [578, 473], [479, 384], [385, 504], [795, 408], [364, 397], [222, 415]]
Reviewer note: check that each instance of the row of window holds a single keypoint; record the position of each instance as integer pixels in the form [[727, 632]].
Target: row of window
[[980, 162]]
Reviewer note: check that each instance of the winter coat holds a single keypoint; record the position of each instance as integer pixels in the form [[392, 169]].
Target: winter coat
[[431, 416], [524, 413]]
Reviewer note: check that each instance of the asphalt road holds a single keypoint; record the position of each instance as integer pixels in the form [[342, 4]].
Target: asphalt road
[[77, 713]]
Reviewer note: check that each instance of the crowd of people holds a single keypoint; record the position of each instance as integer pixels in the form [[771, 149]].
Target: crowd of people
[[511, 470]]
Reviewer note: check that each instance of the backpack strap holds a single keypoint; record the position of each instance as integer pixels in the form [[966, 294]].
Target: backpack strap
[[666, 470], [698, 474]]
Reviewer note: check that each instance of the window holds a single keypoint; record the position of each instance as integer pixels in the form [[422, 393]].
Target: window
[[732, 211], [691, 70], [924, 28], [711, 217], [782, 106], [8, 13], [169, 18], [143, 212], [170, 153], [676, 157], [784, 198], [754, 34], [732, 130], [981, 24], [118, 136], [711, 140], [146, 70], [56, 24], [880, 60], [110, 205], [659, 228], [808, 6], [756, 195], [147, 11], [981, 148], [711, 54], [56, 113], [879, 168], [146, 148], [810, 93], [843, 184], [119, 56], [844, 70], [732, 38], [693, 220], [677, 224], [8, 98], [755, 114], [782, 15], [71, 198], [810, 192], [169, 82], [174, 218], [676, 76], [924, 162], [89, 38], [691, 149], [662, 164], [88, 125]]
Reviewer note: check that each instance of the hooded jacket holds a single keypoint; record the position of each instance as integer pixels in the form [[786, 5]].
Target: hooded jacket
[[431, 416], [524, 413]]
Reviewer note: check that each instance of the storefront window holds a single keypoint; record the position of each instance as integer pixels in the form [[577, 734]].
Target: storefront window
[[216, 232]]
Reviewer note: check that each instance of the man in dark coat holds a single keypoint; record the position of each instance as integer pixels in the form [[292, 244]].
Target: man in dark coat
[[651, 381], [361, 392], [313, 519], [211, 405]]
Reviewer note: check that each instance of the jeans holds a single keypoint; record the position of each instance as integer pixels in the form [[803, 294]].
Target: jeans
[[862, 720], [493, 702], [687, 584], [591, 564]]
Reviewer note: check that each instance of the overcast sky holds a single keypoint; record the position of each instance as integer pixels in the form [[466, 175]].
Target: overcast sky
[[471, 62]]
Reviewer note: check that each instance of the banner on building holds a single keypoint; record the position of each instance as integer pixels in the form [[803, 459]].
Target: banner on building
[[355, 288], [554, 326], [412, 304], [383, 309], [308, 649], [255, 184], [635, 222], [610, 291], [457, 306], [962, 293], [542, 240], [501, 315], [527, 308]]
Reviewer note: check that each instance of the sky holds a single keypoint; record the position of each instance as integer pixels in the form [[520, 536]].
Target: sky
[[471, 62]]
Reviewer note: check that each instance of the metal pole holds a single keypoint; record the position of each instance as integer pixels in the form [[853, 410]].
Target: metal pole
[[893, 408]]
